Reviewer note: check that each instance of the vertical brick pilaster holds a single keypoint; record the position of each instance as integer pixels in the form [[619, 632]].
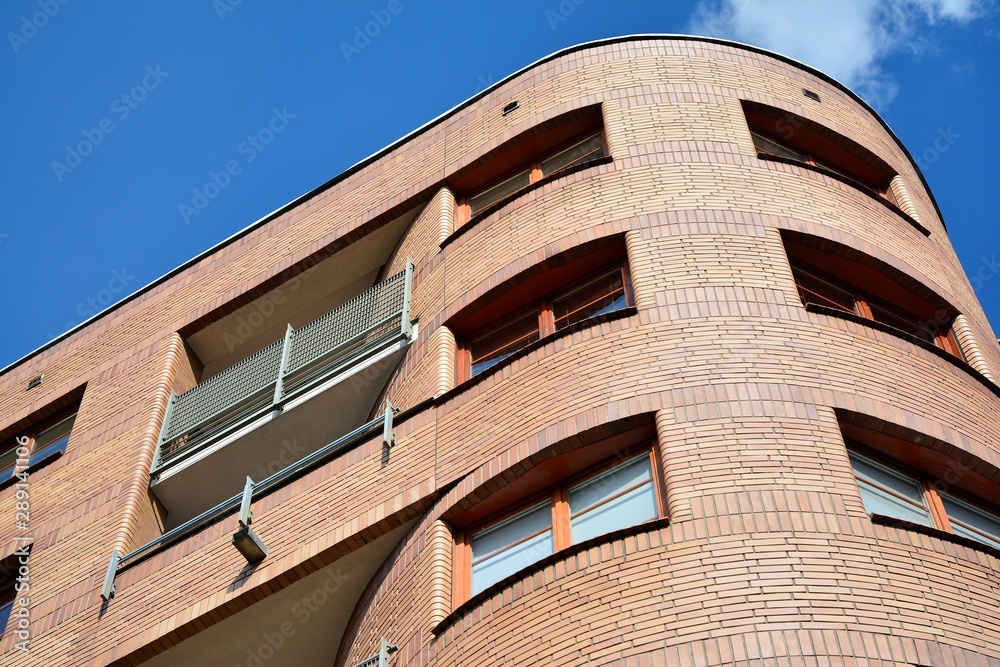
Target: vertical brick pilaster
[[678, 505], [903, 199], [134, 525], [444, 346], [613, 134], [439, 541], [970, 348], [447, 200], [639, 267]]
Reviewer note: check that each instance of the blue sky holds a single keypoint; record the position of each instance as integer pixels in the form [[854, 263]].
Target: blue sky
[[158, 96]]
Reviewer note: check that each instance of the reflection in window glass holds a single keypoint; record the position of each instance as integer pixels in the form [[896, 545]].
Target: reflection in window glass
[[889, 492], [902, 321], [493, 347], [817, 291], [618, 498], [511, 545], [972, 522], [604, 294], [52, 440], [772, 147], [499, 191], [590, 148]]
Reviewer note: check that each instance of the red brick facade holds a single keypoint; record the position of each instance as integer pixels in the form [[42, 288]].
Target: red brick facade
[[766, 555]]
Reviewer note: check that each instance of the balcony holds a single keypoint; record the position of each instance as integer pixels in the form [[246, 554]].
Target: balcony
[[281, 403]]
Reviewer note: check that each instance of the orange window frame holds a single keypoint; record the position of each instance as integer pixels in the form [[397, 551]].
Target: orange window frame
[[944, 337], [38, 429], [463, 205], [935, 505], [557, 495], [545, 314]]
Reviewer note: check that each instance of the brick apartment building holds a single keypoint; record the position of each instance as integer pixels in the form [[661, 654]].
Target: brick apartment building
[[654, 353]]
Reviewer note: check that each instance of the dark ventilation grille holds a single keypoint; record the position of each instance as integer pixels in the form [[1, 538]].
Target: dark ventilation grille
[[35, 381], [511, 107], [810, 94]]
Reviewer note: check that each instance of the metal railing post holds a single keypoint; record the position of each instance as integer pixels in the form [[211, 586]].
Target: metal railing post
[[385, 648], [108, 590], [246, 514], [388, 437], [164, 429], [286, 349], [407, 327]]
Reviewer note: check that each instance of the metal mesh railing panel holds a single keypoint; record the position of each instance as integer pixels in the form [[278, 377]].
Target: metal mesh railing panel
[[220, 392], [218, 404], [356, 319]]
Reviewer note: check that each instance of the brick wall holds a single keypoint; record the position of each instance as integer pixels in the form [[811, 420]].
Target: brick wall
[[768, 555]]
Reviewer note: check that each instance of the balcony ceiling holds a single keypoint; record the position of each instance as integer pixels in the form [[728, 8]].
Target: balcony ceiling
[[319, 289], [315, 631]]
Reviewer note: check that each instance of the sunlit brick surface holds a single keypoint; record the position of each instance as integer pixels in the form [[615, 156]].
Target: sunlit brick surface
[[767, 556]]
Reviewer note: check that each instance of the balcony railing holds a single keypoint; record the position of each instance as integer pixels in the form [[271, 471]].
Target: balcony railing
[[307, 356]]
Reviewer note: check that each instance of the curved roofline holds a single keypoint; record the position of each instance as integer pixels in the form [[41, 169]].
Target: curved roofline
[[357, 166]]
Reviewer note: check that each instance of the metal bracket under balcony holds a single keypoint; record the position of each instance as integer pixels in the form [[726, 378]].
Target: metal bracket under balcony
[[282, 402]]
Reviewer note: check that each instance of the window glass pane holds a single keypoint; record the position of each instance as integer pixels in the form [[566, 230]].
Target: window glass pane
[[902, 321], [634, 507], [590, 148], [772, 147], [510, 561], [496, 557], [607, 484], [598, 506], [511, 530], [889, 492], [499, 191], [493, 347], [7, 461], [881, 476], [964, 518], [878, 501], [817, 291], [601, 295], [5, 608], [55, 432], [40, 453]]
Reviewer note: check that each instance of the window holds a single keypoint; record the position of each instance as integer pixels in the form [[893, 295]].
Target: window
[[787, 136], [577, 151], [48, 442], [617, 496], [603, 291], [8, 583], [889, 490], [7, 595], [826, 289]]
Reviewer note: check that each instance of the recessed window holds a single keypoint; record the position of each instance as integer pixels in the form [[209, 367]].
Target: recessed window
[[617, 495], [793, 138], [825, 281], [890, 492], [580, 149], [972, 522], [47, 442], [573, 300], [511, 545], [8, 583], [890, 489], [7, 595], [502, 340]]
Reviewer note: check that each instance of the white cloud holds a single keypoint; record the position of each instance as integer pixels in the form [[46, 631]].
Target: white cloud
[[847, 39]]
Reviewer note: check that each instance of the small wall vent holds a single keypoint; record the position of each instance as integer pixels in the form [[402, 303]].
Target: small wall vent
[[35, 381], [810, 94], [511, 107]]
